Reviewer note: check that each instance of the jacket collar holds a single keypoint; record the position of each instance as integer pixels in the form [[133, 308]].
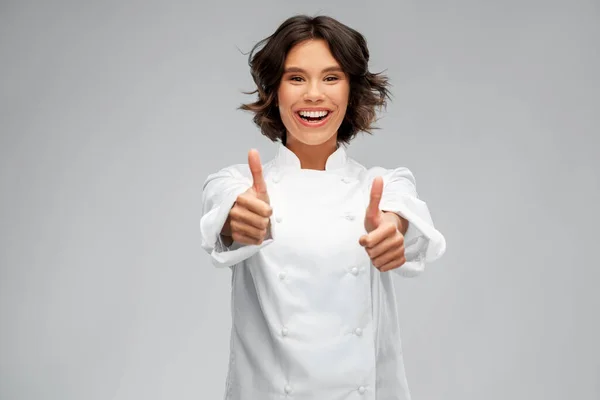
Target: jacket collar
[[285, 158]]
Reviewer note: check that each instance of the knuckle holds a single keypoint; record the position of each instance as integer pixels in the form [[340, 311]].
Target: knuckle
[[262, 223], [243, 197], [247, 202]]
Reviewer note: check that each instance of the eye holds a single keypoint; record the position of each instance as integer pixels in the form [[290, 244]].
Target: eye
[[332, 78], [296, 78]]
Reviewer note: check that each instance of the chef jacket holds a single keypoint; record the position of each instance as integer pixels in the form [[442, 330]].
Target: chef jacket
[[311, 317]]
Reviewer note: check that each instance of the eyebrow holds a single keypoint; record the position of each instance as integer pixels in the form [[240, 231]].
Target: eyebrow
[[334, 68]]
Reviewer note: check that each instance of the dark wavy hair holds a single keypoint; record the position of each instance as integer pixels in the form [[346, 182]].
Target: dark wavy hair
[[368, 91]]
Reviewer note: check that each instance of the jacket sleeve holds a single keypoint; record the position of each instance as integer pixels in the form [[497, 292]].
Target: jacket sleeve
[[219, 193], [422, 242]]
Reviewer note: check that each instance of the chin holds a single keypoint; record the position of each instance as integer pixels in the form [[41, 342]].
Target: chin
[[312, 138]]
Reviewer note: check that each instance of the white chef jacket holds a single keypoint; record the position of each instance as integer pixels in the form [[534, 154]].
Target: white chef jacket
[[311, 317]]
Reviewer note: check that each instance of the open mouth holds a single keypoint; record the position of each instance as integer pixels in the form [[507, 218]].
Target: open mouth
[[313, 117]]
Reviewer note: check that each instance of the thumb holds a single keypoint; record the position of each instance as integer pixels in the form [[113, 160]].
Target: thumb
[[376, 192], [258, 181]]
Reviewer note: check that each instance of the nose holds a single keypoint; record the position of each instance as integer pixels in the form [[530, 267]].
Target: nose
[[314, 92]]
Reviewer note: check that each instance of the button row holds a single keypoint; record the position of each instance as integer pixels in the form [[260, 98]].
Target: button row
[[282, 275]]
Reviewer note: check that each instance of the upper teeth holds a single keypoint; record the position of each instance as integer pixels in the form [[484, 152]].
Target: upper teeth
[[313, 114]]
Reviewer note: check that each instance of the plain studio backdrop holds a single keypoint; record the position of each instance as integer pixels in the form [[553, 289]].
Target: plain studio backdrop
[[112, 114]]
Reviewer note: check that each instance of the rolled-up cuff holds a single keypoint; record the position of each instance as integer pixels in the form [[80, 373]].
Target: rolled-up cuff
[[422, 242], [211, 225]]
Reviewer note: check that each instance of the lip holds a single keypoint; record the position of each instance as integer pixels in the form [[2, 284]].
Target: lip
[[313, 109], [313, 124]]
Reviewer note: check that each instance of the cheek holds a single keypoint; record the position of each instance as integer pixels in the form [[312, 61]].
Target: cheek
[[340, 97], [282, 102], [286, 95], [285, 101]]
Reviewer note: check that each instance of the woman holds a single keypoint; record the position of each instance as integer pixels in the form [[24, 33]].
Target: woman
[[313, 237]]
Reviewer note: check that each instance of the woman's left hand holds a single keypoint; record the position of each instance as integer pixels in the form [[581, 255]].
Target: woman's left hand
[[384, 241]]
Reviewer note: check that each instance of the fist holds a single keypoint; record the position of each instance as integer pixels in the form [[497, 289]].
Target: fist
[[384, 242], [248, 220]]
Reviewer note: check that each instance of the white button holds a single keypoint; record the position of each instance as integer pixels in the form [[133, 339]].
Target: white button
[[284, 331], [288, 389], [276, 179], [358, 332], [346, 180], [361, 389], [354, 271], [349, 217], [278, 219], [282, 275]]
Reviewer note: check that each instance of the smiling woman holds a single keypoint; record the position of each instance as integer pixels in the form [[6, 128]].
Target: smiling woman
[[320, 57], [311, 236], [313, 95]]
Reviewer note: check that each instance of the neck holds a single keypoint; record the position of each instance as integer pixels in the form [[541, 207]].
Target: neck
[[313, 156]]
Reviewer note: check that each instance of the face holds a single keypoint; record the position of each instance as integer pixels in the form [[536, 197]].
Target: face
[[313, 94]]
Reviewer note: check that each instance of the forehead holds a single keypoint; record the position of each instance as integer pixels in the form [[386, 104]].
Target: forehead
[[309, 53]]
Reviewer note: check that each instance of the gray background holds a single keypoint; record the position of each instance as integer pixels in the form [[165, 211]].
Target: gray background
[[112, 114]]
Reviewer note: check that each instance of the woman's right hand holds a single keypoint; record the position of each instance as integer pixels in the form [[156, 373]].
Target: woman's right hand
[[248, 220]]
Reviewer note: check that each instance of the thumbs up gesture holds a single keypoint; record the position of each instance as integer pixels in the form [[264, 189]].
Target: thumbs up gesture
[[248, 220], [384, 241]]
